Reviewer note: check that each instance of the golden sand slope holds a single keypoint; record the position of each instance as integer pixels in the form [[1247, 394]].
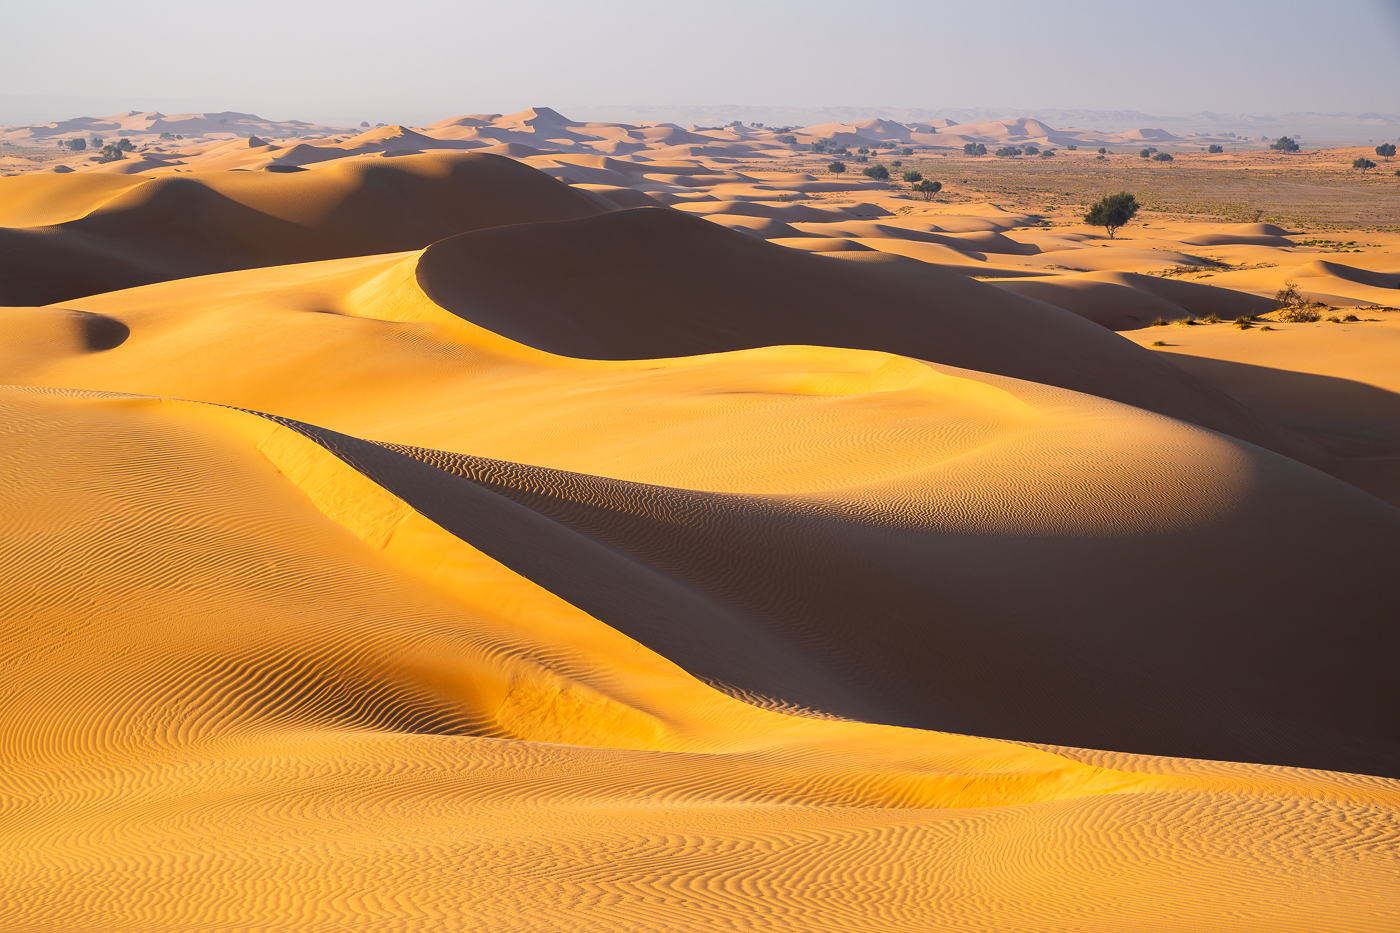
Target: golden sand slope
[[597, 570], [250, 689]]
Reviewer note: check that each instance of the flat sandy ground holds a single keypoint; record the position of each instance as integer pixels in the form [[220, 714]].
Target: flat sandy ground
[[511, 540]]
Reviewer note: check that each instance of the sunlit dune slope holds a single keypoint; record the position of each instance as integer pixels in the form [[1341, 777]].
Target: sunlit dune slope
[[249, 687], [91, 237], [997, 540]]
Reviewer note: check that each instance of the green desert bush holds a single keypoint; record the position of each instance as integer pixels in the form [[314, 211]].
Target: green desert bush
[[836, 168], [111, 154], [1213, 149], [1284, 144], [912, 176], [1385, 150], [974, 149], [1112, 212], [878, 172], [77, 145], [928, 188], [1363, 163], [1162, 157]]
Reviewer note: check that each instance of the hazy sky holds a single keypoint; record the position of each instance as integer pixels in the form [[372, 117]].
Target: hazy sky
[[416, 60]]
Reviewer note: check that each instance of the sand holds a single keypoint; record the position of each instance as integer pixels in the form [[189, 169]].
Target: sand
[[432, 543]]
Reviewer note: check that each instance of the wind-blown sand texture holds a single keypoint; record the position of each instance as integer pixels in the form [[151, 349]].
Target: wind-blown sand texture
[[429, 543]]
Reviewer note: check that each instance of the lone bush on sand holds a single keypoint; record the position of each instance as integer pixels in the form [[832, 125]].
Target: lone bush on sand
[[1162, 157], [1363, 163], [1294, 308], [1112, 212], [878, 172], [836, 168], [928, 188]]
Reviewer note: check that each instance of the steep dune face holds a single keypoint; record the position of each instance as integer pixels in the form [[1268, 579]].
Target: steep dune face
[[174, 227], [691, 288]]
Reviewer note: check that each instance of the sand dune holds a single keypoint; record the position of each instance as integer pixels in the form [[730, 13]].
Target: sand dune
[[528, 524], [176, 227]]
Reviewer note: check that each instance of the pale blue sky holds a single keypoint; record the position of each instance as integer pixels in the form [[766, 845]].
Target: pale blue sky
[[416, 60]]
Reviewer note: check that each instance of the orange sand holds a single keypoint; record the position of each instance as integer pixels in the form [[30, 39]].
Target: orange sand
[[432, 544]]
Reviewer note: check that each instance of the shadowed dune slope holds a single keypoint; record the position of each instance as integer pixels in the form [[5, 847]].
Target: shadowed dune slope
[[186, 225], [654, 283]]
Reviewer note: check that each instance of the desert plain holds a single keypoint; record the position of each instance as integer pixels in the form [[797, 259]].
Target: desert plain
[[522, 524]]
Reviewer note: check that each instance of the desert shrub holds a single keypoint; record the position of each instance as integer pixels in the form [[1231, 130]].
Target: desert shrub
[[1112, 212], [863, 151], [1187, 322], [1072, 148], [125, 145], [862, 158], [1159, 343], [167, 135], [912, 176], [1284, 144], [1159, 322], [818, 146], [928, 188], [1047, 153], [1386, 150], [974, 149], [906, 151], [1103, 151], [787, 139], [839, 149], [111, 154], [1031, 150], [1351, 317], [77, 145], [95, 142], [1146, 153], [1363, 163], [878, 172], [1294, 308], [896, 163], [1011, 151], [1210, 319], [1214, 149], [1162, 157], [1244, 323], [836, 168]]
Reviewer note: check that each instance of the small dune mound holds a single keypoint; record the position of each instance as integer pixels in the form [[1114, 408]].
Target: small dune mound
[[180, 226], [1321, 268]]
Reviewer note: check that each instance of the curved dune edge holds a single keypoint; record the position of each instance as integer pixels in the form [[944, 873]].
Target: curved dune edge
[[700, 798]]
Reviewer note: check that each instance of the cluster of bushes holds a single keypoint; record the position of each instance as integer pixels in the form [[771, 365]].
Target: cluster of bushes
[[1362, 163], [116, 151], [1214, 149], [1284, 144], [789, 139], [1148, 152], [1010, 151], [878, 172], [1162, 157], [975, 149]]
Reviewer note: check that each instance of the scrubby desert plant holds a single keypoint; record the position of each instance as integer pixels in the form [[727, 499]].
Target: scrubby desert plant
[[1294, 308], [1159, 322], [1031, 150], [1072, 148], [906, 151], [1112, 212], [1010, 151], [912, 176], [836, 168], [111, 154], [1243, 322], [1162, 157], [125, 145], [1351, 317], [1046, 153], [878, 172], [1385, 150], [1213, 149], [1210, 319], [928, 188], [974, 149], [1284, 144], [1363, 163], [77, 145], [1103, 151], [1159, 343]]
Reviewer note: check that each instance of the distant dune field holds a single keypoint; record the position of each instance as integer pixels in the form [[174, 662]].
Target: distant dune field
[[520, 524]]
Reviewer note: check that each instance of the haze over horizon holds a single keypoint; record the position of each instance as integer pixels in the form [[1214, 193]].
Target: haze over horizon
[[291, 61]]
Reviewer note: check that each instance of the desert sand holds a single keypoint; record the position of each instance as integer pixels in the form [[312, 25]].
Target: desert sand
[[522, 524]]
